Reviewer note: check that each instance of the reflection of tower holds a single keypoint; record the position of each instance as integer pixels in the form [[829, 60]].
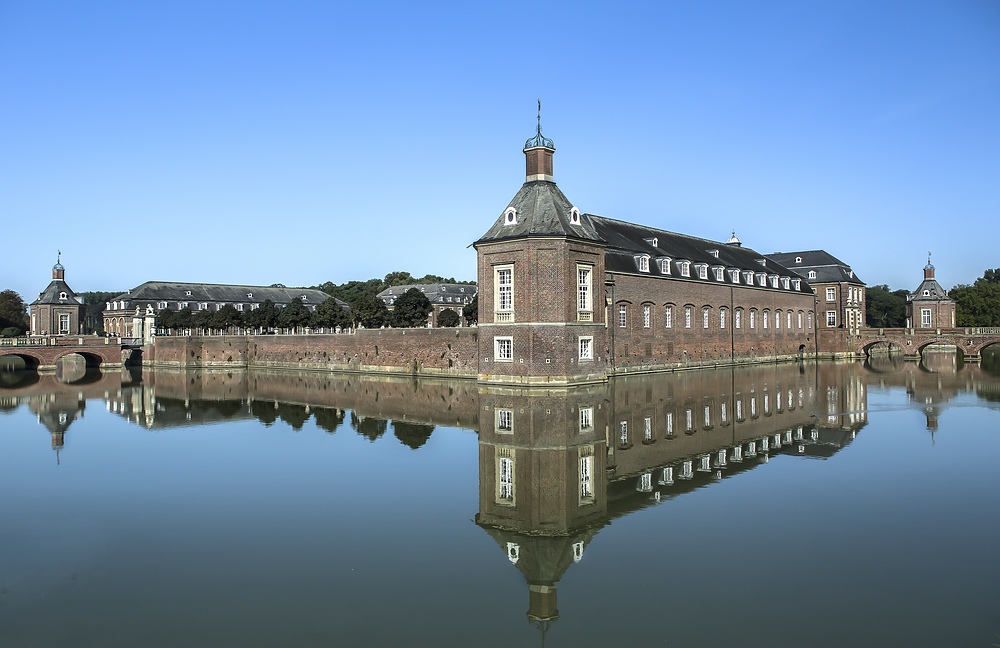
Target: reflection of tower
[[542, 482], [57, 412]]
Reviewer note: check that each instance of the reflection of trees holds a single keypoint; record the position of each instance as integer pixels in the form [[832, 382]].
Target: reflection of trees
[[294, 415], [264, 411], [328, 418], [413, 435], [227, 409], [19, 378], [990, 362], [370, 428]]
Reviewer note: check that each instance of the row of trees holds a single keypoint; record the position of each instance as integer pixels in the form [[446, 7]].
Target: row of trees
[[353, 291]]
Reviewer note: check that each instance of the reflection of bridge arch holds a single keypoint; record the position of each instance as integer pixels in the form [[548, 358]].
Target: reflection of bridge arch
[[30, 361]]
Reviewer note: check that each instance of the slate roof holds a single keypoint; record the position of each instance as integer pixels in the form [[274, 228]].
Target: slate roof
[[153, 291], [626, 241], [828, 268], [51, 294], [935, 290], [437, 294], [541, 209]]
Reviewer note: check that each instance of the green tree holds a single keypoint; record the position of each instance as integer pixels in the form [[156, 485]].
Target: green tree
[[166, 319], [184, 319], [471, 311], [978, 304], [448, 318], [885, 309], [370, 312], [13, 311], [330, 314], [398, 278], [226, 318], [294, 315], [263, 318], [411, 309]]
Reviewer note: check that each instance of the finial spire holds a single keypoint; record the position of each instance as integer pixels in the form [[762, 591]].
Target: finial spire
[[539, 128], [59, 256]]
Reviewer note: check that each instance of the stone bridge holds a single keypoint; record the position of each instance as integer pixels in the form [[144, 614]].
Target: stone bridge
[[44, 353], [970, 341]]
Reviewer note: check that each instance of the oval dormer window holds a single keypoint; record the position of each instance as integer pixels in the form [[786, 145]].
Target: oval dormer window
[[574, 216], [798, 259], [510, 216], [927, 293], [62, 295]]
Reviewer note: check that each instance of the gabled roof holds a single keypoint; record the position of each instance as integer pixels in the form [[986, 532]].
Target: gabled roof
[[200, 292], [828, 268], [52, 292], [541, 209]]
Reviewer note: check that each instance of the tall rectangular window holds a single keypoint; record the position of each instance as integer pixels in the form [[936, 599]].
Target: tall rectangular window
[[687, 317], [753, 316], [505, 420], [704, 317], [586, 348], [622, 315], [831, 318], [925, 318], [503, 348], [504, 277], [668, 317], [737, 319], [584, 300], [647, 429], [505, 479], [586, 419], [587, 478], [670, 424], [831, 294], [722, 318], [647, 316], [64, 324], [799, 318]]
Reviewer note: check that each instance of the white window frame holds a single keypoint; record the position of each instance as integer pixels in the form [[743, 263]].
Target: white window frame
[[687, 317], [831, 318], [622, 315], [665, 266], [722, 318], [63, 323], [586, 347], [647, 316], [505, 479], [702, 271], [831, 294], [584, 294], [668, 316], [705, 316], [586, 419], [643, 261], [504, 420], [503, 278], [685, 268], [925, 318], [503, 348]]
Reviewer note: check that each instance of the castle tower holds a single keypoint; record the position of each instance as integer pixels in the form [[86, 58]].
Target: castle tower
[[541, 246], [58, 310], [929, 306]]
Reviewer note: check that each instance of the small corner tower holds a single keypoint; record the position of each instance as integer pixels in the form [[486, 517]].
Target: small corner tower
[[57, 311], [541, 277], [929, 306]]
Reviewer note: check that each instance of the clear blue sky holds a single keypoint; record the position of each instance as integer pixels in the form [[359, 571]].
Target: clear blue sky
[[301, 142]]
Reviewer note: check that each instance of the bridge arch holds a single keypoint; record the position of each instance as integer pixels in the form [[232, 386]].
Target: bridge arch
[[891, 345], [92, 360], [31, 361]]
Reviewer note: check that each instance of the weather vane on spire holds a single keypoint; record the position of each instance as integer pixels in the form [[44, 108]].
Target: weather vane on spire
[[539, 117], [58, 256]]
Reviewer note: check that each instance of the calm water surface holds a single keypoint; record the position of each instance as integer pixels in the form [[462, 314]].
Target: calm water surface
[[813, 505]]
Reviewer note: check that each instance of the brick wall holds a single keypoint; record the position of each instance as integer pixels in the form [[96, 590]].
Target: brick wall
[[446, 352]]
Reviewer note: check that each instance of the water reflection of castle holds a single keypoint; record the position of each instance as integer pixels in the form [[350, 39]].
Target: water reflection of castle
[[555, 466]]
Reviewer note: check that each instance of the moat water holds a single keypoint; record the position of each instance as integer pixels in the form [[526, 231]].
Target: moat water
[[845, 504]]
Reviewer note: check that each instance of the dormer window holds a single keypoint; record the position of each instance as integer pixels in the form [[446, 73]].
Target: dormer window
[[774, 281], [161, 305], [763, 262], [748, 277], [665, 266], [643, 261], [812, 274], [784, 283], [720, 274], [62, 295], [653, 241], [510, 216], [734, 275], [574, 216], [714, 253], [798, 259], [797, 283], [850, 273], [762, 279], [927, 293], [685, 268], [306, 299], [187, 293], [249, 295], [702, 271]]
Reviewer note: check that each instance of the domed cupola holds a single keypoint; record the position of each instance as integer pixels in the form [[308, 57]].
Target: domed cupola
[[538, 152]]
